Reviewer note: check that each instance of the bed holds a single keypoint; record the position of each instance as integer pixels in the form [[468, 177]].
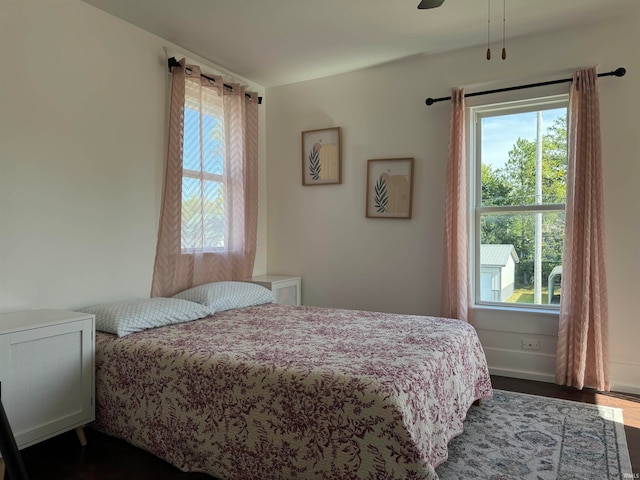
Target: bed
[[277, 392]]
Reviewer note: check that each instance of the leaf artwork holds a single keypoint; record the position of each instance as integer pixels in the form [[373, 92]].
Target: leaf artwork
[[314, 163], [380, 199]]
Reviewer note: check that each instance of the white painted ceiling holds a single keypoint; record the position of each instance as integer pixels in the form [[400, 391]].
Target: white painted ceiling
[[274, 42]]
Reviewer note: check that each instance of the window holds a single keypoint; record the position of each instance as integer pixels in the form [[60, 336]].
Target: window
[[209, 217], [519, 160], [204, 185]]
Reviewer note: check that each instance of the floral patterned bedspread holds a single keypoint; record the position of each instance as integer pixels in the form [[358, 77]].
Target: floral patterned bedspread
[[279, 392]]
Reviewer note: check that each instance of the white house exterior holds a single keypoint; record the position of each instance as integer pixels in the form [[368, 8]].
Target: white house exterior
[[497, 272]]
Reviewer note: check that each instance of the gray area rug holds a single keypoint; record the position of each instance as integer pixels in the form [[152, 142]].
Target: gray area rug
[[528, 437]]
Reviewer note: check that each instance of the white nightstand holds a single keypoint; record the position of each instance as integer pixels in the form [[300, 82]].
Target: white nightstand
[[47, 373], [285, 289]]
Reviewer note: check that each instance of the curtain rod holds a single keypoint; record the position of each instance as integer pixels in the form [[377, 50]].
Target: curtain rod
[[172, 62], [618, 72]]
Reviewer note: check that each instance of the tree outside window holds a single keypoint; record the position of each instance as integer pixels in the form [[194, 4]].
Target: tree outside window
[[521, 165]]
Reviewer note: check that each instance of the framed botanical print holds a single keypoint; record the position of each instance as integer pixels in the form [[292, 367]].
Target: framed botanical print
[[321, 162], [389, 188]]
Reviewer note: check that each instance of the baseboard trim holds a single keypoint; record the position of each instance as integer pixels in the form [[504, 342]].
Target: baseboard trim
[[617, 387], [625, 377], [538, 377]]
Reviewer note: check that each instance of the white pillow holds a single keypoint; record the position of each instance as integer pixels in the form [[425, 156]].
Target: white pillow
[[222, 296], [123, 318]]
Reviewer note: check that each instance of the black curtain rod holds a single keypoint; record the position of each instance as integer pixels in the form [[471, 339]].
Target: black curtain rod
[[172, 62], [618, 72]]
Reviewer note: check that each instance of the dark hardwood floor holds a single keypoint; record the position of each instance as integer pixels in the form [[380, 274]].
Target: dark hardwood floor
[[61, 458]]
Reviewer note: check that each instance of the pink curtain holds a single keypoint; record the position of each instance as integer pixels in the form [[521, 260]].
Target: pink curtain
[[455, 269], [583, 352], [208, 221]]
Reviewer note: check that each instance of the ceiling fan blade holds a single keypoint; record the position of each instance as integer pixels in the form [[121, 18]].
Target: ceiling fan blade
[[424, 4]]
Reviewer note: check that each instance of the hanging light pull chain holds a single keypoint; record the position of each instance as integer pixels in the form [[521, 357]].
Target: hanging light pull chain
[[488, 29], [504, 27]]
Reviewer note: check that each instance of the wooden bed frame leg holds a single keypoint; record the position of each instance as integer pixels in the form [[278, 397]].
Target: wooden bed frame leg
[[82, 438], [478, 402], [1, 469]]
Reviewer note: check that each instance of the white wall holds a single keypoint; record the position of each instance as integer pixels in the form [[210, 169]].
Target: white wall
[[83, 112], [347, 260]]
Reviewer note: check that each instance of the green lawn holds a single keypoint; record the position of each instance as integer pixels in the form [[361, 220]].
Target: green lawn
[[525, 295]]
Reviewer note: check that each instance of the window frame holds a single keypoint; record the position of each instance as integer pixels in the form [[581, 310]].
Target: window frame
[[203, 109], [476, 210]]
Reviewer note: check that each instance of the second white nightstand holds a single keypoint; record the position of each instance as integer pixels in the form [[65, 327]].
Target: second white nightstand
[[285, 289]]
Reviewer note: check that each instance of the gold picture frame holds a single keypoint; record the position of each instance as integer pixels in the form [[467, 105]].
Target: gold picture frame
[[321, 156], [389, 188]]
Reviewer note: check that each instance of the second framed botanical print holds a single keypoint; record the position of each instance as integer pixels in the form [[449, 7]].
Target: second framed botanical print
[[389, 188], [321, 156]]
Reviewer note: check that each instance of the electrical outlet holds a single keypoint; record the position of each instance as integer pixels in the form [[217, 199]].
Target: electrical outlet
[[530, 344]]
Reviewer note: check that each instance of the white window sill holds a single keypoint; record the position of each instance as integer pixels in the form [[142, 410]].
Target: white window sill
[[553, 312], [516, 320]]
